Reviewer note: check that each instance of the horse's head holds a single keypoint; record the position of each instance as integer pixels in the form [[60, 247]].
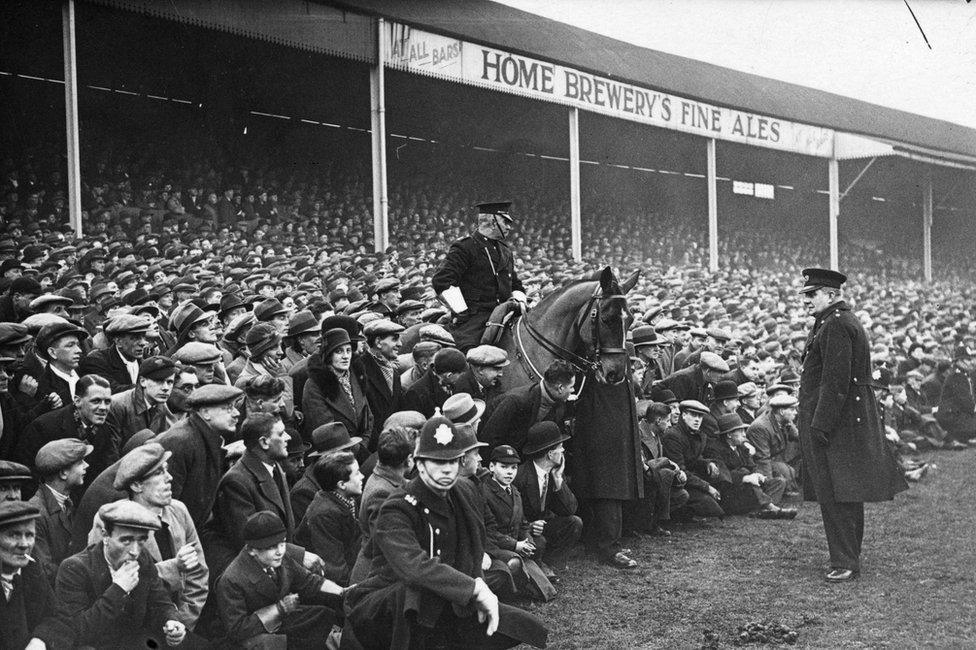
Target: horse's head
[[604, 326]]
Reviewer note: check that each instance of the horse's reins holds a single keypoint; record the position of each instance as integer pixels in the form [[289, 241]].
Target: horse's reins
[[582, 364]]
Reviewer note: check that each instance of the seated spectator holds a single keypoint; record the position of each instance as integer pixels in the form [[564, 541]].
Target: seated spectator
[[777, 442], [394, 460], [330, 528], [749, 403], [15, 303], [294, 464], [743, 489], [333, 393], [119, 363], [434, 516], [110, 595], [663, 480], [303, 338], [549, 503], [423, 355], [58, 346], [27, 608], [430, 391], [684, 444], [203, 358], [83, 419], [483, 378], [516, 410], [326, 439], [198, 458], [13, 478], [61, 466], [381, 375], [958, 403], [145, 405], [509, 530], [175, 547], [265, 593]]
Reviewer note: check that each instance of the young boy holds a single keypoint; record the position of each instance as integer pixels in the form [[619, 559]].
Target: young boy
[[330, 528], [508, 528], [260, 596]]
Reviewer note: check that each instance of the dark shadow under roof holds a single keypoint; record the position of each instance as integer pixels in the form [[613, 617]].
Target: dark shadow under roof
[[491, 23]]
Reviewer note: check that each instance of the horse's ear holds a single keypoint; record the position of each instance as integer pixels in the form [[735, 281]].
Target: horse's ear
[[630, 282], [606, 279]]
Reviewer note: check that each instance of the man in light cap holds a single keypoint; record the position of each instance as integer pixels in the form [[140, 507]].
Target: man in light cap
[[387, 297], [483, 380], [110, 595], [749, 403], [145, 405], [478, 274], [204, 358], [143, 474], [422, 356], [684, 443], [380, 371], [120, 362], [696, 382], [777, 441], [61, 466], [845, 459], [198, 457], [28, 606], [435, 515]]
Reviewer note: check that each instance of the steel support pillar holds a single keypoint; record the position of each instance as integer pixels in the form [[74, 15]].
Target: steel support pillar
[[377, 98]]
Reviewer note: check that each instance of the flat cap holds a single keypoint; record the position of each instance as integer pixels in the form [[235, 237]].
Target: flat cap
[[385, 285], [197, 353], [409, 419], [487, 355], [666, 324], [719, 334], [748, 389], [43, 301], [15, 512], [212, 395], [130, 514], [127, 324], [408, 306], [437, 333], [783, 401], [60, 454], [157, 368], [264, 529], [140, 463], [11, 472], [13, 334], [54, 331], [694, 406], [712, 361], [382, 327]]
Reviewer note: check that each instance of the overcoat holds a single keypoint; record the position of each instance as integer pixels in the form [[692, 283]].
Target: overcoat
[[331, 531], [52, 542], [382, 399], [606, 454], [836, 398], [957, 408], [197, 464], [508, 420], [425, 395], [107, 363], [30, 611]]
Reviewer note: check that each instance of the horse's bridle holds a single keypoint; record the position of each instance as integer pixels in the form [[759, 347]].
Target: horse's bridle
[[582, 364]]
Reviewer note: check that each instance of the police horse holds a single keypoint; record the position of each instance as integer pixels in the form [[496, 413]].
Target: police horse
[[584, 323]]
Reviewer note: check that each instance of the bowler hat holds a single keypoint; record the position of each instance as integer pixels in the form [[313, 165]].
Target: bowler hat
[[449, 360], [725, 389], [264, 529], [542, 436], [729, 422]]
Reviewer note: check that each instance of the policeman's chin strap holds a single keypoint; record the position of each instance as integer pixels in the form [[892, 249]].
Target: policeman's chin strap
[[498, 225]]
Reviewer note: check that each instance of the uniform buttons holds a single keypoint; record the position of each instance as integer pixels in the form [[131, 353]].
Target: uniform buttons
[[438, 551], [426, 511], [858, 419], [857, 398], [437, 531]]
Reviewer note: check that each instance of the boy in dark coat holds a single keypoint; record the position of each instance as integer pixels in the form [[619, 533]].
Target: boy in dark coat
[[265, 597]]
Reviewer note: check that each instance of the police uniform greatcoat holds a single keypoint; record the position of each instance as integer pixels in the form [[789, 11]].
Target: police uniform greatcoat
[[422, 580], [484, 270], [837, 401]]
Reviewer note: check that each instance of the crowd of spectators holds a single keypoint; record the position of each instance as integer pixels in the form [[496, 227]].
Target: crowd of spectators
[[221, 382]]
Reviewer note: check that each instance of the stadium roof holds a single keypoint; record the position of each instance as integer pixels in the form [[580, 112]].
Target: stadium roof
[[490, 23]]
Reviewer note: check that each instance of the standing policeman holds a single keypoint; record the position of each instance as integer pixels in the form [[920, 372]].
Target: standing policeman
[[478, 274], [845, 461]]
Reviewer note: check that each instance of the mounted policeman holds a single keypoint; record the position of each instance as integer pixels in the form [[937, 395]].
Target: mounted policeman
[[478, 275]]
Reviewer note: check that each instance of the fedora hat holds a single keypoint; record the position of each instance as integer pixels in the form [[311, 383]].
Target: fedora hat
[[461, 408], [330, 437]]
